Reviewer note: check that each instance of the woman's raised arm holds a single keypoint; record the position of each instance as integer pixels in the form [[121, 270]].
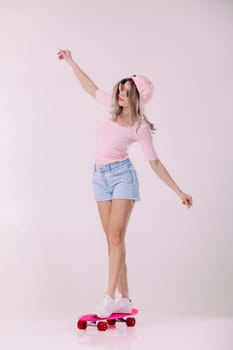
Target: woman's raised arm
[[88, 85]]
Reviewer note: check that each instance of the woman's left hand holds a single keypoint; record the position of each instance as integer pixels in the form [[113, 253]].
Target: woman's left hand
[[186, 199]]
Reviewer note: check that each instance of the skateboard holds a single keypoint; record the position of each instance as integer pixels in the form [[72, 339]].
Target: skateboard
[[102, 323]]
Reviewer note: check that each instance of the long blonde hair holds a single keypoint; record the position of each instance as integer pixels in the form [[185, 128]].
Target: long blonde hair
[[135, 113]]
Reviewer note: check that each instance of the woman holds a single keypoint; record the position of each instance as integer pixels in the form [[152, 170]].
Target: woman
[[115, 181]]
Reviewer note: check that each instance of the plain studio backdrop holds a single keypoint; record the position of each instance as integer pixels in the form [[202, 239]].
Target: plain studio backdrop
[[53, 252]]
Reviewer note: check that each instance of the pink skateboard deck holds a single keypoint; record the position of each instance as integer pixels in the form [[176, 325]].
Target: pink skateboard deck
[[102, 323]]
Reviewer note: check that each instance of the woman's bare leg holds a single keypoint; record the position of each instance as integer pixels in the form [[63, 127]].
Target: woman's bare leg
[[122, 284], [104, 209], [120, 213]]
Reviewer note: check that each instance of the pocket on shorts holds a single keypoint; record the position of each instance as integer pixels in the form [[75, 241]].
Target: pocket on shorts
[[135, 177], [96, 177]]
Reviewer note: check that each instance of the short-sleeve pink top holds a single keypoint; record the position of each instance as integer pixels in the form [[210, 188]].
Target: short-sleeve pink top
[[113, 140]]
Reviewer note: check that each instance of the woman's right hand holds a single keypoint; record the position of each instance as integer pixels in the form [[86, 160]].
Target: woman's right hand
[[64, 54], [85, 81]]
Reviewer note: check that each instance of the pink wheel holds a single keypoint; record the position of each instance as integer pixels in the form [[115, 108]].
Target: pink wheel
[[102, 326], [82, 324], [130, 321]]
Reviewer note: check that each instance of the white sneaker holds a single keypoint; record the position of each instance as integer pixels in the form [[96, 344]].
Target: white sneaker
[[123, 305], [106, 308]]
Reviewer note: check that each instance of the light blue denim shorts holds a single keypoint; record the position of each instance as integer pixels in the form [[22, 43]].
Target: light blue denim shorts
[[115, 180]]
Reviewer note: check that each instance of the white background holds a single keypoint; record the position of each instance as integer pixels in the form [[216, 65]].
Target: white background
[[53, 254]]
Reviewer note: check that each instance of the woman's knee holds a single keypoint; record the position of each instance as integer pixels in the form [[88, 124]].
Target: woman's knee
[[116, 237]]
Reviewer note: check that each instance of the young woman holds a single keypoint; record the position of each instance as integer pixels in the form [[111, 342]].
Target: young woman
[[115, 181]]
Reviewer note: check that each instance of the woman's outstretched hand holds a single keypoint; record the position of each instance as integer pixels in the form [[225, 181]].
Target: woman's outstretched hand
[[186, 199], [64, 54]]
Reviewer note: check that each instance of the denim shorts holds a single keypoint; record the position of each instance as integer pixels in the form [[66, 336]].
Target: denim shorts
[[115, 180]]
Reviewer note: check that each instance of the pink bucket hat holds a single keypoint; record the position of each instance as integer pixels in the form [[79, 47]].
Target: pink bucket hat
[[145, 88]]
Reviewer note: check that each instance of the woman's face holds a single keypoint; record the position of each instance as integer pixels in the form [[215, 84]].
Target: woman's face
[[123, 95]]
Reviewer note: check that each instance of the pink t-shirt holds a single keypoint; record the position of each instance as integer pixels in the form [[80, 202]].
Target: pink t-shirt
[[113, 140]]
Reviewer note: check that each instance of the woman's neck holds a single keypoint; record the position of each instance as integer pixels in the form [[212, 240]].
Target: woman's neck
[[124, 112]]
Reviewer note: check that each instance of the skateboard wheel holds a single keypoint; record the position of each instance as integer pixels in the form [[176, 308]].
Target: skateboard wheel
[[111, 322], [82, 324], [130, 321], [102, 326]]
